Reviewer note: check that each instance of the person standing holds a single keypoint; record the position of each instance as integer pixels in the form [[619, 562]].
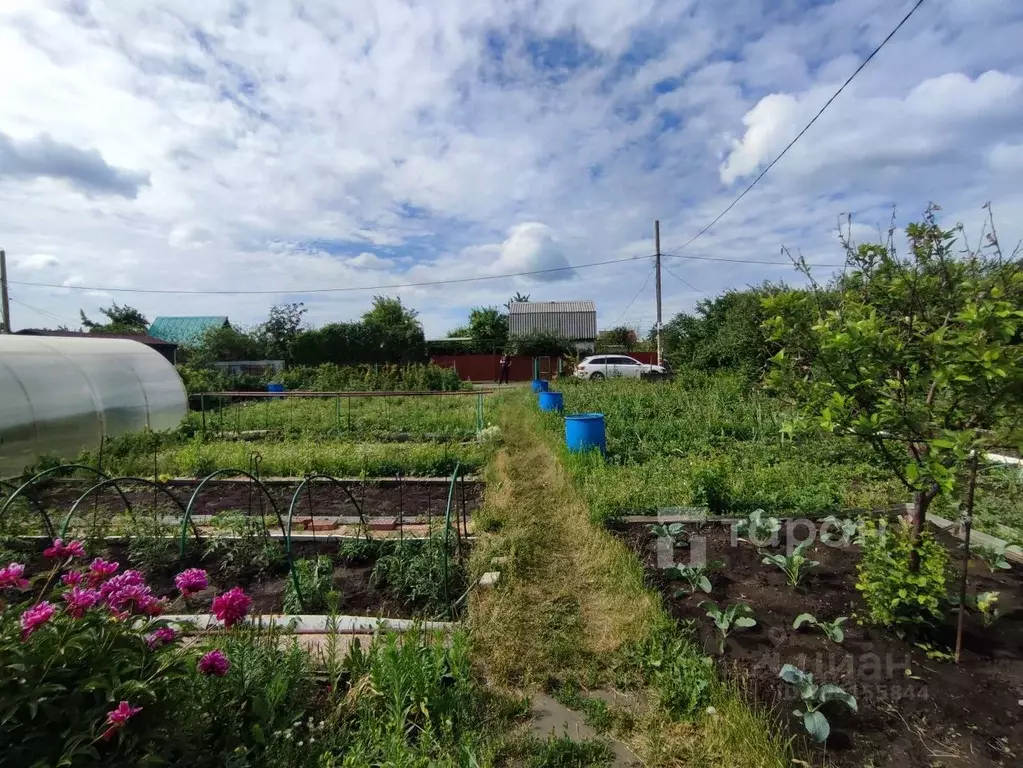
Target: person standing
[[505, 368]]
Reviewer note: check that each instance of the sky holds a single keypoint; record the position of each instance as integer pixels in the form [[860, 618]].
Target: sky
[[281, 147]]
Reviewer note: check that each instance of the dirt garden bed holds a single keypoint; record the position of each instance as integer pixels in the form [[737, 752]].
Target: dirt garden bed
[[914, 711]]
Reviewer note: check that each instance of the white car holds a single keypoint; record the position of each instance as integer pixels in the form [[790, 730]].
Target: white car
[[611, 366]]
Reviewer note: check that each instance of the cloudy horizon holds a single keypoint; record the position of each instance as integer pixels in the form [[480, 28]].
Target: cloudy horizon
[[225, 145]]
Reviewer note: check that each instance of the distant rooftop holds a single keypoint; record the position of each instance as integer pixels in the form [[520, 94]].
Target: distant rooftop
[[140, 337], [573, 320], [186, 330]]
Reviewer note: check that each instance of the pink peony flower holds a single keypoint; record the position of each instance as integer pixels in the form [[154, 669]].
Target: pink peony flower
[[191, 581], [162, 636], [35, 617], [118, 718], [154, 607], [100, 570], [214, 663], [60, 549], [80, 600], [72, 578], [232, 606], [11, 577]]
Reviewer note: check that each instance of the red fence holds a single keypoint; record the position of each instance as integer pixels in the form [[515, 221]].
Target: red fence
[[488, 367]]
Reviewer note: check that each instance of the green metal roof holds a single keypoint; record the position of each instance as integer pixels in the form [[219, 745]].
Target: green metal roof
[[185, 330]]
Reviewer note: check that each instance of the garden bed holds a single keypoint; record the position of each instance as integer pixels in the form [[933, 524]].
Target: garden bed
[[377, 497], [914, 711], [260, 568]]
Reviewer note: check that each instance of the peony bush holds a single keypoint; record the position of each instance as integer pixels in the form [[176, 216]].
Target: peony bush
[[89, 671]]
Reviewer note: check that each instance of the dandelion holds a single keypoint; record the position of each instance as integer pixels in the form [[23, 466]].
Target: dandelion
[[80, 600], [119, 717], [232, 606], [191, 581], [100, 570], [60, 549], [214, 663], [11, 577], [162, 636], [71, 579], [35, 617]]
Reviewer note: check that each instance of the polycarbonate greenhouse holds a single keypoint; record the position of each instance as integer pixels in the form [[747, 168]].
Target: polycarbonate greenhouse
[[59, 396]]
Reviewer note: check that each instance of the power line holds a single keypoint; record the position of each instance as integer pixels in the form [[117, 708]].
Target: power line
[[335, 290], [805, 129], [43, 312], [741, 261], [681, 279], [629, 306]]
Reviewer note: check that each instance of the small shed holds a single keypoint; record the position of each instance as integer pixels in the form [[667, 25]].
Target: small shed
[[575, 321], [186, 331]]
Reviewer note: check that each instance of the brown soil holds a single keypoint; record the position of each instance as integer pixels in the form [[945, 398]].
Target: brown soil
[[914, 712], [408, 499]]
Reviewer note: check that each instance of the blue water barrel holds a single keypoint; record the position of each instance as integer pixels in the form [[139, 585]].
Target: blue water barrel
[[274, 387], [539, 385], [585, 431], [551, 401]]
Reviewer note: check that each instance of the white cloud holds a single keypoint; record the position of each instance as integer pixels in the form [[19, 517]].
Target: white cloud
[[376, 142], [35, 261]]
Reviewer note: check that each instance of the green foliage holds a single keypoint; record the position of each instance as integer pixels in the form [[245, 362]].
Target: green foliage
[[120, 319], [897, 597], [620, 339], [426, 573], [249, 550], [795, 566], [488, 328], [395, 331], [694, 575], [315, 583], [758, 528], [993, 556], [541, 343], [674, 667], [813, 697], [835, 530], [565, 752], [241, 718], [711, 489], [672, 534], [918, 356], [280, 331], [832, 629], [725, 333], [735, 616], [60, 683]]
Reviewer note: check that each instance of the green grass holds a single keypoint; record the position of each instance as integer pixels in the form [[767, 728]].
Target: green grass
[[672, 444], [294, 458], [447, 417]]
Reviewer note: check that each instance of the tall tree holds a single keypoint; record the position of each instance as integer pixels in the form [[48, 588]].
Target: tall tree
[[919, 356], [488, 327], [281, 329], [396, 329], [120, 319], [518, 298]]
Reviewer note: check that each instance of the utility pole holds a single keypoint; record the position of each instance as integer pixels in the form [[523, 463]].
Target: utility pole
[[5, 304], [657, 242]]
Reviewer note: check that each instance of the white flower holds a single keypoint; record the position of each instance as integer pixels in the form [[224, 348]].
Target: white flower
[[711, 711], [300, 744]]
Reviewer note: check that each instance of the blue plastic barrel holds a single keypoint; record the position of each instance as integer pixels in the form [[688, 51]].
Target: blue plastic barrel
[[275, 388], [551, 401], [584, 432], [539, 385]]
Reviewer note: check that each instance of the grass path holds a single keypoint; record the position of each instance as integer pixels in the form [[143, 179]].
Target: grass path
[[571, 606]]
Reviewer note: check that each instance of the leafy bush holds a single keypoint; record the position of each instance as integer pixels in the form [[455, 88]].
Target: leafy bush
[[682, 676], [426, 573], [896, 596], [711, 489], [314, 577]]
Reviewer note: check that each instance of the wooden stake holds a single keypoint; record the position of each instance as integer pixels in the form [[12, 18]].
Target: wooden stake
[[967, 525]]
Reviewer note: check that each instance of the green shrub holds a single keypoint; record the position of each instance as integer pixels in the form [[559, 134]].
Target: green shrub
[[315, 582], [669, 661], [896, 597], [711, 489], [426, 573]]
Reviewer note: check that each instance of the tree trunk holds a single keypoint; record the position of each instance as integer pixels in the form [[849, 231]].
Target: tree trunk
[[921, 501]]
